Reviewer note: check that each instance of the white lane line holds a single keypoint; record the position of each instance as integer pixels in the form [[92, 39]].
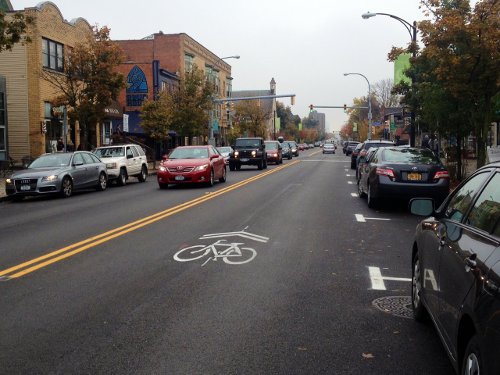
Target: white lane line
[[350, 182], [378, 280], [360, 218], [354, 195]]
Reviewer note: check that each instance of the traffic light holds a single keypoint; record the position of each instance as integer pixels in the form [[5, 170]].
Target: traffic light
[[345, 108], [311, 107]]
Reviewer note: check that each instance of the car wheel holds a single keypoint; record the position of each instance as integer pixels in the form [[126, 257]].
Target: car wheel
[[103, 182], [361, 193], [223, 178], [17, 198], [212, 178], [162, 185], [372, 202], [473, 362], [66, 187], [122, 177], [238, 167], [231, 167], [290, 157], [265, 163], [144, 174], [419, 313], [260, 165]]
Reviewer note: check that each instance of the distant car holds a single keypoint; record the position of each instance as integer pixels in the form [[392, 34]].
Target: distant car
[[349, 147], [192, 164], [362, 149], [317, 144], [58, 173], [456, 271], [328, 148], [286, 150], [225, 151], [124, 161], [403, 173], [274, 152], [294, 147]]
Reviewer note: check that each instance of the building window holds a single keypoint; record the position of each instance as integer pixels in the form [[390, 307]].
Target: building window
[[188, 62], [52, 55], [137, 88]]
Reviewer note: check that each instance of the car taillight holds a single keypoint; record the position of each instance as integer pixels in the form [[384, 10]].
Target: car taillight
[[441, 174], [386, 172], [362, 153]]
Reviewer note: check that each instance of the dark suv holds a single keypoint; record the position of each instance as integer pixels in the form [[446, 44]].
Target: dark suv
[[248, 151]]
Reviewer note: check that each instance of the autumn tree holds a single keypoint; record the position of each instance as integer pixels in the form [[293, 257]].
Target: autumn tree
[[383, 94], [252, 118], [12, 30], [90, 81], [190, 104]]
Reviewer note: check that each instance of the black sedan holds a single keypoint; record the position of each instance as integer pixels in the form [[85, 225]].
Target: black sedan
[[403, 173], [456, 271], [58, 173]]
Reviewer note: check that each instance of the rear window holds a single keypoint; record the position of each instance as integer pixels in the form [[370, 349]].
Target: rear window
[[271, 145], [410, 156], [377, 144]]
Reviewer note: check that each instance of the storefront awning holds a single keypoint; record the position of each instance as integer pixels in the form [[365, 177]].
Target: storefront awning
[[113, 110]]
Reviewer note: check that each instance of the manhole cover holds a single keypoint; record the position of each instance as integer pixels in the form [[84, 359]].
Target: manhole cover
[[395, 305]]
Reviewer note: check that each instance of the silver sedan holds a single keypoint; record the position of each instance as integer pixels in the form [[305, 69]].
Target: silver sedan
[[58, 173]]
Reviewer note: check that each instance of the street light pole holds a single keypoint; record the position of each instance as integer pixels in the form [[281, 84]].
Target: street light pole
[[230, 57], [412, 30], [369, 103]]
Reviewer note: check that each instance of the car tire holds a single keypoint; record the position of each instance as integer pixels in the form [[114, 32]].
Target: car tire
[[238, 167], [162, 185], [144, 174], [260, 165], [265, 164], [223, 177], [122, 177], [419, 312], [372, 202], [103, 182], [231, 167], [473, 361], [17, 198], [66, 187], [212, 178]]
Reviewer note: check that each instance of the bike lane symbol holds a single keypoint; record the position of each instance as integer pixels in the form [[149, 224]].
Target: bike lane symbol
[[230, 252]]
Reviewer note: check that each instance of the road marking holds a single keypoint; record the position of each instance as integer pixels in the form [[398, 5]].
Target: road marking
[[241, 233], [35, 264], [350, 182], [348, 175], [363, 219], [354, 195], [378, 280]]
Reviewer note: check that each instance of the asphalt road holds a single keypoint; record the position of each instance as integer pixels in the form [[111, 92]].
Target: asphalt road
[[91, 286]]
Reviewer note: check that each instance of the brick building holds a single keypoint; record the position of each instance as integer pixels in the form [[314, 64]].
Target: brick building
[[157, 62], [31, 126]]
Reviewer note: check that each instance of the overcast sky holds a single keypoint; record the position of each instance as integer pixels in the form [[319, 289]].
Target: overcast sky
[[305, 45]]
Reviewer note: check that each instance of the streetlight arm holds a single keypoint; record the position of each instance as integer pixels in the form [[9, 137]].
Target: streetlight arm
[[411, 28]]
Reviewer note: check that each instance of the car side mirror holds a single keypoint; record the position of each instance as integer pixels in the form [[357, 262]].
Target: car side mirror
[[78, 163], [214, 156], [421, 206]]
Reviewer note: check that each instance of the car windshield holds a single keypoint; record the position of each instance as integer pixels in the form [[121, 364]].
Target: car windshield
[[189, 153], [51, 161], [224, 150], [409, 156], [110, 152], [271, 145], [247, 143]]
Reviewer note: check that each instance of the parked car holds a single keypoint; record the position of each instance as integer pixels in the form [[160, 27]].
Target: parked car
[[328, 148], [286, 150], [123, 162], [274, 152], [362, 149], [225, 151], [192, 164], [349, 147], [403, 173], [58, 173], [248, 151], [362, 161], [456, 271], [295, 147]]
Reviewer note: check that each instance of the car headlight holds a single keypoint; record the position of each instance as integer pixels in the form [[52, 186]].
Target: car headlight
[[111, 165], [162, 168], [8, 181], [50, 178], [236, 153], [254, 153], [201, 167]]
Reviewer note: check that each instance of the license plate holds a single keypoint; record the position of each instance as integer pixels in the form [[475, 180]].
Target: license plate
[[25, 187], [179, 178], [414, 176], [244, 160]]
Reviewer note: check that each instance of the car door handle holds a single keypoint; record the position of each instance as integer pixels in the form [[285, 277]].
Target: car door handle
[[470, 262]]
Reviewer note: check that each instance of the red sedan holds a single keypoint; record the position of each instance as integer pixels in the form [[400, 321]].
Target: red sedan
[[192, 164]]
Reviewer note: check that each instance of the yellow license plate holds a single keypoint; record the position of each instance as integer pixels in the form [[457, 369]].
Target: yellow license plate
[[414, 176]]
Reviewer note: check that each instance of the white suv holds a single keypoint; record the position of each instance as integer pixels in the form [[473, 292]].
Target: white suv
[[124, 161]]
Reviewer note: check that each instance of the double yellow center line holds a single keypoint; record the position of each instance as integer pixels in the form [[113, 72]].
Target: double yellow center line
[[78, 247]]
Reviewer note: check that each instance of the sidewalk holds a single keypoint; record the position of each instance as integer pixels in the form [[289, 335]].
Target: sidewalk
[[3, 196]]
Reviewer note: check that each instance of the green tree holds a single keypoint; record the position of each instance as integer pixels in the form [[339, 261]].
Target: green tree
[[13, 30], [90, 81], [156, 116], [190, 104], [251, 118]]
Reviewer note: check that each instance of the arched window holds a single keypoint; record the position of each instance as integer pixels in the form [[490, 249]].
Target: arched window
[[137, 87]]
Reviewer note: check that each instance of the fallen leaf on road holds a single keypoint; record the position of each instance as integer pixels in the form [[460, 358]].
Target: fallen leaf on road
[[368, 355]]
